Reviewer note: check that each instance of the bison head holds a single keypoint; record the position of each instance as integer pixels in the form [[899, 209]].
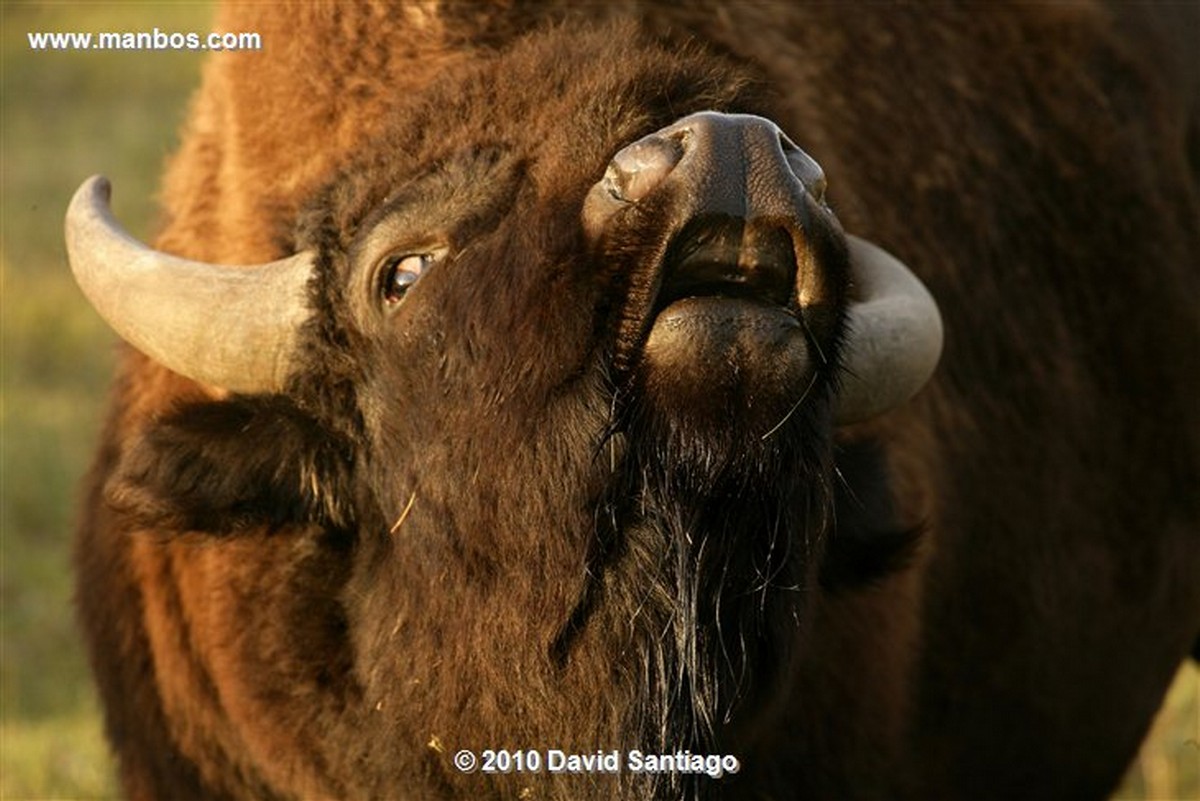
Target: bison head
[[551, 378]]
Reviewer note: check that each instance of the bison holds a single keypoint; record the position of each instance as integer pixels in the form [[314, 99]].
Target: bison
[[561, 419]]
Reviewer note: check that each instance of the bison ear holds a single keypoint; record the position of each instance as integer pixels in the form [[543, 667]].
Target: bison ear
[[233, 465]]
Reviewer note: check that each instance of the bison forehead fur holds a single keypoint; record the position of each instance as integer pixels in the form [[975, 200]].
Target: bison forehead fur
[[478, 517]]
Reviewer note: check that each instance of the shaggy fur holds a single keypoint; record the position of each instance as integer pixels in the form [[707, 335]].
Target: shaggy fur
[[473, 521]]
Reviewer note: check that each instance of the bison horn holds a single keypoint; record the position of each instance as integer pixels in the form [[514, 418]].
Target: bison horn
[[895, 335], [230, 327]]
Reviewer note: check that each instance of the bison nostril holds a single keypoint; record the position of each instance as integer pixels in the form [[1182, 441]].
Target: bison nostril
[[637, 169], [804, 167]]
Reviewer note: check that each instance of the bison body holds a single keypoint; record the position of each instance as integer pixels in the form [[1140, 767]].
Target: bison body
[[496, 501]]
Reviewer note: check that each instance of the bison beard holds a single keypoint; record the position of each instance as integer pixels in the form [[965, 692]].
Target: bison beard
[[705, 548], [713, 551]]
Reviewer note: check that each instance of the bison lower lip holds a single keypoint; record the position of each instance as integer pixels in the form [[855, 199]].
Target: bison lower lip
[[703, 329], [723, 315], [712, 357]]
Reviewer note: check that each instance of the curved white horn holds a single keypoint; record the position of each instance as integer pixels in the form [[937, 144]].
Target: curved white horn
[[895, 337], [232, 327]]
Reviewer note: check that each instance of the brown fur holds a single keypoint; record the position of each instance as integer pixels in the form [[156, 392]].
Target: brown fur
[[1034, 169]]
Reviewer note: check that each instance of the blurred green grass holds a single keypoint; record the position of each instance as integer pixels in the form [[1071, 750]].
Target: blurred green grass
[[66, 115]]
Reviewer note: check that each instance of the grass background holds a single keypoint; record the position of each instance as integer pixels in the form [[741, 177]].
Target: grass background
[[66, 115]]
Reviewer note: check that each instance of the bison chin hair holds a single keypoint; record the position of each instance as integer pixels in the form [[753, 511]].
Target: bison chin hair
[[709, 549]]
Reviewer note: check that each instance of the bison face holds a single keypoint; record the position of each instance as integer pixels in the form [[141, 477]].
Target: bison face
[[557, 368], [695, 293]]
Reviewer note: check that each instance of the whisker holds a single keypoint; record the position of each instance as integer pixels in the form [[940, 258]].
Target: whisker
[[812, 381]]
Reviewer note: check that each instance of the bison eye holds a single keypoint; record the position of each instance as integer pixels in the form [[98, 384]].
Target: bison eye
[[400, 271]]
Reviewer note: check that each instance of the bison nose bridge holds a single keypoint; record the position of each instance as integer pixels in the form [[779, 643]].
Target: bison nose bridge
[[738, 165], [732, 166]]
